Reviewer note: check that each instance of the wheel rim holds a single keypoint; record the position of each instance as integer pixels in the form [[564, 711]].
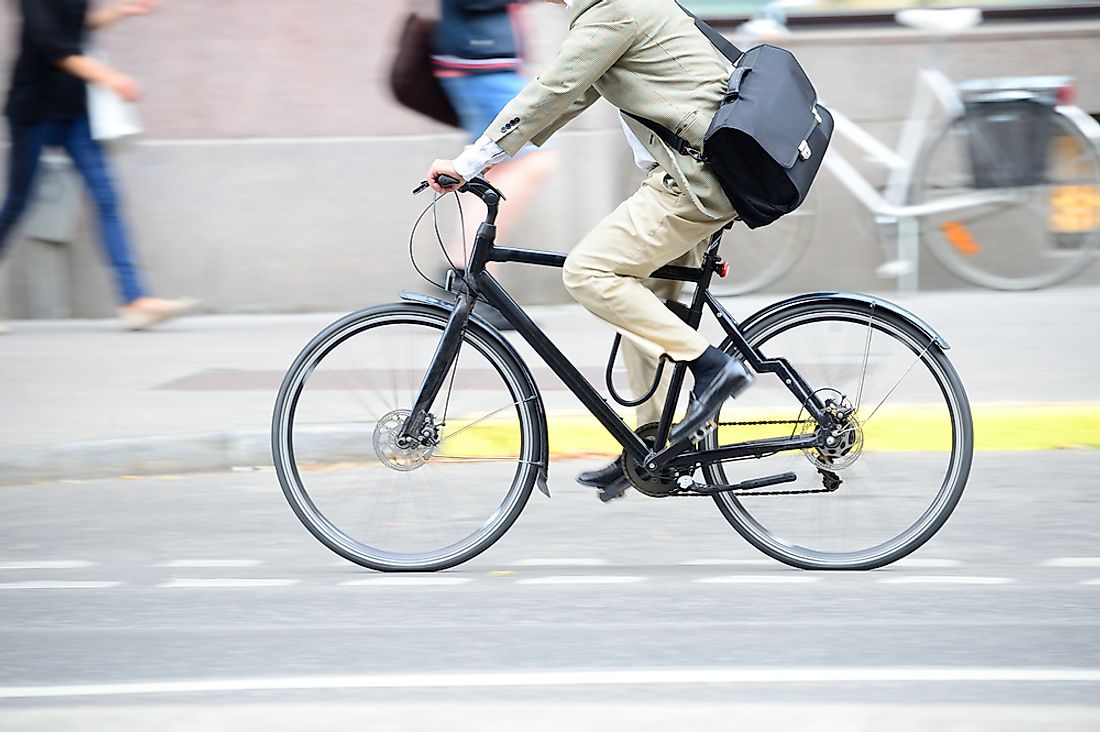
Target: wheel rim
[[913, 444], [1032, 236], [393, 507]]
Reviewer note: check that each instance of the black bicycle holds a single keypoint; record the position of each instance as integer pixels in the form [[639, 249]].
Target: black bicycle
[[409, 436]]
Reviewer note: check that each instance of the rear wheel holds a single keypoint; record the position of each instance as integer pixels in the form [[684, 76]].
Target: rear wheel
[[1030, 236], [901, 455]]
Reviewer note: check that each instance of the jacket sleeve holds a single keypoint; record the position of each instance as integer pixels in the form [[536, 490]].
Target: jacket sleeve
[[599, 37], [43, 29], [585, 101]]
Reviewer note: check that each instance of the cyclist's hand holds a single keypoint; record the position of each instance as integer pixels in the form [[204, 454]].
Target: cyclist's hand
[[444, 167]]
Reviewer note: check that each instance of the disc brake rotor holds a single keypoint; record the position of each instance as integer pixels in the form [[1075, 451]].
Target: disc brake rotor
[[386, 437]]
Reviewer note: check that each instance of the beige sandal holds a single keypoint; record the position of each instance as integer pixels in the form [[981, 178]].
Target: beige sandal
[[145, 316]]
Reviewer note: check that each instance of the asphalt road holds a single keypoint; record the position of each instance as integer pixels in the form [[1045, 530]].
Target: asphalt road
[[199, 602]]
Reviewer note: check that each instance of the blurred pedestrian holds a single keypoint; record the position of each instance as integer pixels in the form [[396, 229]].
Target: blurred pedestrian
[[47, 107], [477, 59]]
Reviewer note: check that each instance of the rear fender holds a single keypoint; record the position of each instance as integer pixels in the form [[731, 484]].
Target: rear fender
[[850, 298]]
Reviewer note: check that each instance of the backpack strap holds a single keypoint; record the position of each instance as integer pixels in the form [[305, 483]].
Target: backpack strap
[[719, 41], [666, 135]]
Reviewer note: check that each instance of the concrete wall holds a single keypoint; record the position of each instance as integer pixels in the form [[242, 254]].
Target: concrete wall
[[275, 172]]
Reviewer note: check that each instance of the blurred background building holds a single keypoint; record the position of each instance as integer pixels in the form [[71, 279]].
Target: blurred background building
[[275, 172]]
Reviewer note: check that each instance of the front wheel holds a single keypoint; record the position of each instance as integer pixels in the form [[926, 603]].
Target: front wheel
[[361, 489], [900, 458]]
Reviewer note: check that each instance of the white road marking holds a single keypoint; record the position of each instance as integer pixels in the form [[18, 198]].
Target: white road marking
[[919, 562], [1072, 562], [761, 579], [550, 562], [1090, 582], [728, 562], [215, 583], [945, 580], [211, 563], [580, 580], [60, 564], [631, 676], [417, 581], [58, 585]]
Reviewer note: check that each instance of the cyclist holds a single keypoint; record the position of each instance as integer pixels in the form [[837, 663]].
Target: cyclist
[[647, 58]]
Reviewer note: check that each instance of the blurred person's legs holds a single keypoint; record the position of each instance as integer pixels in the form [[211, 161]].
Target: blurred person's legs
[[26, 150], [139, 310], [27, 143], [477, 99]]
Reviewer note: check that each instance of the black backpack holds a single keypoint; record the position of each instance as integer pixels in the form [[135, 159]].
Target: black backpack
[[768, 138]]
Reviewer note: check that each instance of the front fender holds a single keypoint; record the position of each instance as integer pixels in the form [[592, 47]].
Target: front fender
[[542, 437], [850, 298]]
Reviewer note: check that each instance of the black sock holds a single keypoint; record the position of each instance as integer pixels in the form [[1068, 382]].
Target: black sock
[[706, 367]]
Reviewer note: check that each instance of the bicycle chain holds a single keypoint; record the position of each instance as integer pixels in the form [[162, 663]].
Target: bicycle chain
[[830, 484]]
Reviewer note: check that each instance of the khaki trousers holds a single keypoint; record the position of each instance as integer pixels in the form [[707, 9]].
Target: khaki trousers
[[607, 272]]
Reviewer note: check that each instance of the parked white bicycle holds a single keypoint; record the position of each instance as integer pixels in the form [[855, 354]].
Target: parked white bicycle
[[1002, 185]]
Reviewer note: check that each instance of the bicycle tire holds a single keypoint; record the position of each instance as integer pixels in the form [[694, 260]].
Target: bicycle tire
[[1013, 247], [866, 522], [356, 461], [758, 258]]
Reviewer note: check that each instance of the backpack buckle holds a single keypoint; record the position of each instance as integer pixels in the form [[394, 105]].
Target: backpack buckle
[[804, 150]]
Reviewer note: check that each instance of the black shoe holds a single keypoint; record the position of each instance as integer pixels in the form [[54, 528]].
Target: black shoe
[[609, 480], [730, 381]]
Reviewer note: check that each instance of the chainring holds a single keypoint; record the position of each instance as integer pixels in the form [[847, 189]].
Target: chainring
[[656, 485]]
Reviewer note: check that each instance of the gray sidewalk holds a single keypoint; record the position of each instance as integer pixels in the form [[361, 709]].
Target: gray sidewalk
[[84, 399]]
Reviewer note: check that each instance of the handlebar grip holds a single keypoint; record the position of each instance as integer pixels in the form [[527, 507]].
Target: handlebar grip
[[447, 181]]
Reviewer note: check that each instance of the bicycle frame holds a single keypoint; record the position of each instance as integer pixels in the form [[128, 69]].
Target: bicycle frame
[[482, 284]]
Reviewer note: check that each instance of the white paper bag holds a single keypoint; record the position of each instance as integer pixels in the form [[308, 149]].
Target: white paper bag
[[110, 117]]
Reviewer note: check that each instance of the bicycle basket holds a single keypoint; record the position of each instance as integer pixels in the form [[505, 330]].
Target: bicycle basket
[[1008, 140]]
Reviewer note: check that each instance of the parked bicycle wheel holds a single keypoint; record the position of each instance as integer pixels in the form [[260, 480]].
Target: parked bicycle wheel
[[1044, 226], [758, 258], [427, 507], [897, 469]]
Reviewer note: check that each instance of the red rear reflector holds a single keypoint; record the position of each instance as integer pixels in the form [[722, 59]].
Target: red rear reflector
[[723, 269], [1066, 94]]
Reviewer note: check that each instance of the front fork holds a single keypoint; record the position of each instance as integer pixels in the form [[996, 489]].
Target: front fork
[[446, 353]]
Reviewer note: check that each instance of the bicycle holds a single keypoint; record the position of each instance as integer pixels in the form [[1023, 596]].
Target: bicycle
[[409, 436], [1003, 189]]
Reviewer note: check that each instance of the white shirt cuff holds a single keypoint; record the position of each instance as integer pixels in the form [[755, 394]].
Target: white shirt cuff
[[479, 156]]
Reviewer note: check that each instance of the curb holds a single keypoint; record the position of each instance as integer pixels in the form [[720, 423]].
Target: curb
[[997, 427]]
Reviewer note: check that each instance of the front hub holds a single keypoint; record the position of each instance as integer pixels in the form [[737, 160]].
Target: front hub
[[404, 453]]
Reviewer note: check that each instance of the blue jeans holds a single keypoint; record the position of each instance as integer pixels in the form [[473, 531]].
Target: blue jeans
[[75, 137]]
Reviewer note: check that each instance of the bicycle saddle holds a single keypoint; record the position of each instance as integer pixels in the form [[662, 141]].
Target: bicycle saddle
[[940, 22]]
